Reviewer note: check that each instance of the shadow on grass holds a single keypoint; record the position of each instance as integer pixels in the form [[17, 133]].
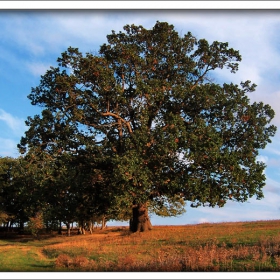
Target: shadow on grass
[[42, 266]]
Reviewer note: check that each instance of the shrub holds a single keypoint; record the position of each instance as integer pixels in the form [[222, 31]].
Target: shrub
[[63, 260], [35, 224], [80, 262]]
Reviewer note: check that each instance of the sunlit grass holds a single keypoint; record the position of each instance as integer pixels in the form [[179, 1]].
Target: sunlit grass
[[250, 246]]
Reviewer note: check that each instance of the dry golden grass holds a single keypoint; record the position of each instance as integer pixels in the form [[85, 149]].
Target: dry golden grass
[[252, 246]]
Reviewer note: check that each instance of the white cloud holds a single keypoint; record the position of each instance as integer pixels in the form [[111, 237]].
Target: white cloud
[[12, 128], [13, 122], [272, 191], [273, 162], [8, 148], [37, 68], [272, 150]]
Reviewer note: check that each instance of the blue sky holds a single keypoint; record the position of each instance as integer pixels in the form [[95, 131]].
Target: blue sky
[[31, 41]]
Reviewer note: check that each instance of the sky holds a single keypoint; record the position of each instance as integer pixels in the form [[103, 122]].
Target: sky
[[32, 40]]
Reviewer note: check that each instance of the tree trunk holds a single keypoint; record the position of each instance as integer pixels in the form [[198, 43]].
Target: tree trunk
[[140, 219], [68, 229], [103, 222], [60, 228], [7, 226], [90, 225], [81, 228], [21, 227]]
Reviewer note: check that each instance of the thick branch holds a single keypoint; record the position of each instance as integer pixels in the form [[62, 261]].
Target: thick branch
[[127, 124], [116, 116]]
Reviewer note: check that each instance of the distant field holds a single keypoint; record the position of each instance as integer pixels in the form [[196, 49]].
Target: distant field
[[231, 247]]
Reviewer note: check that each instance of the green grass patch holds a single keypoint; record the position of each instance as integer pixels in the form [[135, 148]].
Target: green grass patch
[[24, 258]]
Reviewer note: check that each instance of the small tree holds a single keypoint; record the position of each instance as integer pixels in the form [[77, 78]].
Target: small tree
[[35, 224], [146, 113], [4, 217]]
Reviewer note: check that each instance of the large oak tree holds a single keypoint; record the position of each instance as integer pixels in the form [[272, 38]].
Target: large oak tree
[[146, 113]]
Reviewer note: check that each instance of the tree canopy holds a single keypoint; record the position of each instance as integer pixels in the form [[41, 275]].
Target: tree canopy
[[146, 120]]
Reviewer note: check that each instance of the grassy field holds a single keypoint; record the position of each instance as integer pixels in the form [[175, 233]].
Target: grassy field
[[227, 247]]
